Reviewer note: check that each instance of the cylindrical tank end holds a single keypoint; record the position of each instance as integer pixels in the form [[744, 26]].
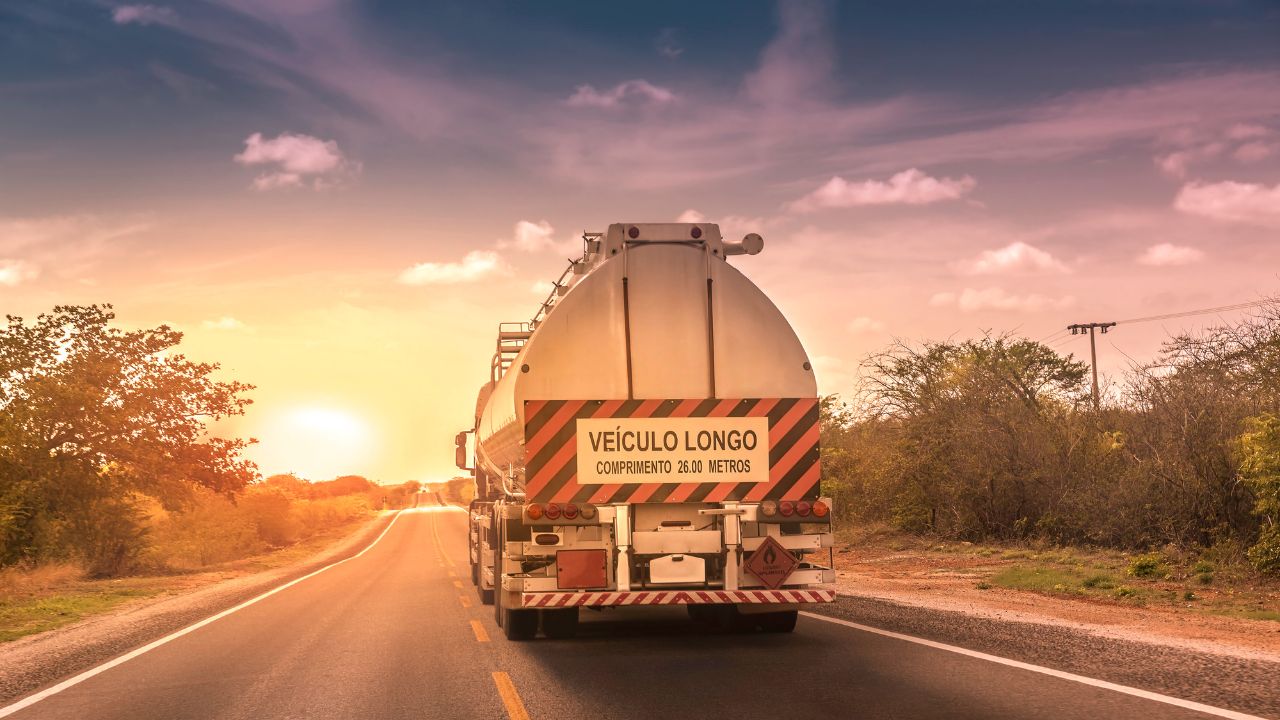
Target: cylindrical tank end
[[751, 244]]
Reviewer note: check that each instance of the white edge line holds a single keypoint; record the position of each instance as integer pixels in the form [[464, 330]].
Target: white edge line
[[30, 700], [1145, 694]]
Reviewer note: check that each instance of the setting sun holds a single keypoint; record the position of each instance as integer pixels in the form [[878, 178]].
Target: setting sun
[[314, 442]]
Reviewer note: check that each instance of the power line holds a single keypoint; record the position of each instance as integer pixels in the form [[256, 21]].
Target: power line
[[1054, 337], [1205, 311]]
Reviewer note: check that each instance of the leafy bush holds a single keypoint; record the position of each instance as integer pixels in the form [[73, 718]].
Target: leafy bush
[[1260, 468], [1150, 565]]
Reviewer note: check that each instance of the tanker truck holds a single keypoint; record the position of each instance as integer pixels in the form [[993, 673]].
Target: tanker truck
[[649, 437]]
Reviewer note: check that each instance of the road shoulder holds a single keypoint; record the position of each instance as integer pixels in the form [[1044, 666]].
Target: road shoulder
[[1240, 682], [33, 662]]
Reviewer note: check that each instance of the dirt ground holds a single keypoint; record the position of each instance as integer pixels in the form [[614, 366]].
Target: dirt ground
[[1089, 591]]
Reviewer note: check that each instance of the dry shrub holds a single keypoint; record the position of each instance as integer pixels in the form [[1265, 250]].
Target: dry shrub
[[25, 578]]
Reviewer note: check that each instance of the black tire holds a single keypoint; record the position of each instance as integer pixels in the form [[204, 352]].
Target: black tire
[[486, 596], [475, 574], [777, 622], [560, 624], [519, 625]]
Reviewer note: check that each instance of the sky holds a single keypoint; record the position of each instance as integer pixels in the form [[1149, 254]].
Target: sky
[[339, 201]]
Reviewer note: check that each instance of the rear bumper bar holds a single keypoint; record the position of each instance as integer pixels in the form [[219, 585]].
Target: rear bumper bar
[[673, 597]]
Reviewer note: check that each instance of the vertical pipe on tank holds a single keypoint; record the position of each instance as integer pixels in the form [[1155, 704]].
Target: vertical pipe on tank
[[711, 342], [711, 325], [626, 321]]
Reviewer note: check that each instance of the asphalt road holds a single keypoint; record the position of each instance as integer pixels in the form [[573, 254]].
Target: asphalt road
[[399, 633]]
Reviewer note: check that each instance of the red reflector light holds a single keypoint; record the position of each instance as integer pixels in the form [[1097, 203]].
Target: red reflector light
[[696, 232], [553, 512], [570, 511], [546, 539], [803, 507], [769, 507], [534, 511], [633, 232], [787, 508], [820, 509]]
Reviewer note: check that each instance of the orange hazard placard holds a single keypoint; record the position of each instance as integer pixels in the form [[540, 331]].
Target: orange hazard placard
[[772, 563]]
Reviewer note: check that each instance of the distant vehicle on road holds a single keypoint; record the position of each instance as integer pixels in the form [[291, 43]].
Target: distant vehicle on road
[[650, 437]]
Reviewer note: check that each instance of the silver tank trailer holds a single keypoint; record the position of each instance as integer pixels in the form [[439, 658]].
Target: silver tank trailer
[[651, 312]]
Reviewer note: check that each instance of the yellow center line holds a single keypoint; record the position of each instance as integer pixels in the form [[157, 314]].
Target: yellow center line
[[435, 532], [457, 584], [465, 601], [478, 629], [510, 698], [453, 574]]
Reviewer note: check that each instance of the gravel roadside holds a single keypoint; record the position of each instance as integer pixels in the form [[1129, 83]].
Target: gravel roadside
[[1244, 684], [31, 663]]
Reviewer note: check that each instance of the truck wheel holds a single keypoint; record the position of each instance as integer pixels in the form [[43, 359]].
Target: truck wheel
[[519, 624], [777, 622], [560, 624], [475, 574], [486, 595]]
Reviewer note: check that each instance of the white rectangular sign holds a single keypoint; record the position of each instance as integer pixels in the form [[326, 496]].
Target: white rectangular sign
[[673, 450]]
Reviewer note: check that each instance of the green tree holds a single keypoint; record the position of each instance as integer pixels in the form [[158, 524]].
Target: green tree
[[91, 418], [1260, 469], [972, 431]]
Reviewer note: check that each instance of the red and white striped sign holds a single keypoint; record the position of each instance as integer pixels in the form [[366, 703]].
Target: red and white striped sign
[[673, 597], [551, 451]]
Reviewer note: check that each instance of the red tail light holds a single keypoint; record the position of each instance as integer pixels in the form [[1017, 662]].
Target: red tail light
[[820, 509], [803, 507], [553, 511], [570, 511], [534, 511], [787, 508]]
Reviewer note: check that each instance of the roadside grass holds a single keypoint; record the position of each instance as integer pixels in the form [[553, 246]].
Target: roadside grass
[[20, 617], [1217, 581], [42, 598]]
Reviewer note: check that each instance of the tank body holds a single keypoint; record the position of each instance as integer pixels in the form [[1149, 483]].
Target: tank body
[[660, 317]]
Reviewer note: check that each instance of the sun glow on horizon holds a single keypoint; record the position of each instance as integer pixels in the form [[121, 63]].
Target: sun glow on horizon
[[314, 442]]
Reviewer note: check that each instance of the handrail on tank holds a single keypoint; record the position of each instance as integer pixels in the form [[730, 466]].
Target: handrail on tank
[[590, 243]]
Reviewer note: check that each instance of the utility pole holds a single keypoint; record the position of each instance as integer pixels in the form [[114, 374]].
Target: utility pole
[[1093, 349]]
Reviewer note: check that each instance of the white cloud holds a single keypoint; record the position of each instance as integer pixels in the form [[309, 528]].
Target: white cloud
[[291, 160], [639, 90], [1254, 151], [1166, 254], [994, 298], [909, 187], [1231, 202], [542, 288], [1016, 257], [143, 15], [668, 43], [1177, 164], [226, 322], [796, 66], [476, 265], [531, 237], [864, 324], [691, 216], [1246, 131], [16, 272], [69, 246]]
